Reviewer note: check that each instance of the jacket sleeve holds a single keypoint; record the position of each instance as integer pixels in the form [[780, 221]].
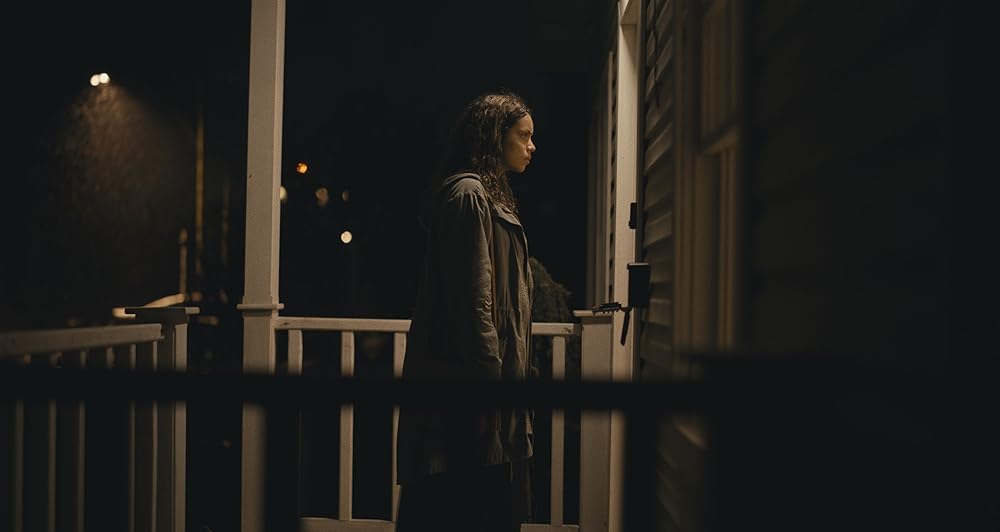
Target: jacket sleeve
[[466, 276]]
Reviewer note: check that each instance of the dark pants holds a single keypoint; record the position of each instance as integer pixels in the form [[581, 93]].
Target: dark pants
[[494, 498]]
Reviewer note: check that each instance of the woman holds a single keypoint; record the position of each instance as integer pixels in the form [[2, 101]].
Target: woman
[[467, 469]]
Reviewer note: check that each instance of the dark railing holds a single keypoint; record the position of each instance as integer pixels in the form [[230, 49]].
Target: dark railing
[[50, 479], [794, 443]]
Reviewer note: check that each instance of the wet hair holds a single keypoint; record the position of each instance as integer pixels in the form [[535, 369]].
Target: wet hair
[[476, 142]]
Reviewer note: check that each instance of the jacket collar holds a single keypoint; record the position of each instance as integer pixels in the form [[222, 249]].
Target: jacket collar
[[502, 212], [506, 215]]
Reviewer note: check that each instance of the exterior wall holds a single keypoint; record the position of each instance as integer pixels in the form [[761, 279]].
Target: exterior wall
[[688, 230], [848, 151], [644, 137], [612, 191], [793, 161], [846, 222]]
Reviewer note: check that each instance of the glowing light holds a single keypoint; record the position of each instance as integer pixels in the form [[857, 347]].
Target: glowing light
[[345, 195], [346, 237], [322, 196], [99, 79], [282, 194], [302, 168]]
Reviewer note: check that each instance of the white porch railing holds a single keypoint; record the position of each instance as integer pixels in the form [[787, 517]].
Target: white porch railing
[[596, 343], [51, 487], [54, 488]]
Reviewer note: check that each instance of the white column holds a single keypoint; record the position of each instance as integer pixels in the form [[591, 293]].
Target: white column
[[626, 179], [260, 295], [595, 425]]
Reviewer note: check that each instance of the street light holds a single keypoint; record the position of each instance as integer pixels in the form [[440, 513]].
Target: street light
[[100, 79]]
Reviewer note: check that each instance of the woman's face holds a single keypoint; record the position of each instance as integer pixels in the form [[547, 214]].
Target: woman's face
[[517, 145]]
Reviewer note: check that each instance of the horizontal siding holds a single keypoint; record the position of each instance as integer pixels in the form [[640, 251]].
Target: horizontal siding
[[659, 105], [660, 257], [813, 54], [659, 228], [668, 496], [680, 467], [879, 101], [838, 228], [661, 309], [657, 148], [661, 66], [658, 358], [656, 244], [847, 177], [676, 495], [659, 191]]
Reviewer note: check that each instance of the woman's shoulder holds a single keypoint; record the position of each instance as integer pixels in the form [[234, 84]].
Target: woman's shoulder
[[463, 185]]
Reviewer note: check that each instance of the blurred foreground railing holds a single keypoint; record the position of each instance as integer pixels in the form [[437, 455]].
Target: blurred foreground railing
[[795, 442], [45, 442], [280, 394]]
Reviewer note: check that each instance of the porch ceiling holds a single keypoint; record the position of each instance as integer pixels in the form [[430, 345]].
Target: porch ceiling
[[567, 33]]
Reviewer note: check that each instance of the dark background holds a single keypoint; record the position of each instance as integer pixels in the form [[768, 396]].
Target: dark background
[[102, 183]]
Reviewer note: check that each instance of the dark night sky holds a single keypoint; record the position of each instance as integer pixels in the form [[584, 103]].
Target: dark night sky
[[370, 89]]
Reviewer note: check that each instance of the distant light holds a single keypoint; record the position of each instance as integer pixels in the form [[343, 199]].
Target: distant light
[[346, 237], [302, 168], [282, 194], [345, 195], [98, 79], [322, 196]]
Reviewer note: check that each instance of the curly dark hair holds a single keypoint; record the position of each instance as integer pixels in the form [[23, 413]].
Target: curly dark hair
[[476, 142]]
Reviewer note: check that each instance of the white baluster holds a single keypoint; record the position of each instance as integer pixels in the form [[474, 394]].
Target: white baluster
[[398, 351], [558, 432], [127, 363], [41, 480], [17, 478], [70, 448], [295, 352], [346, 430], [145, 449]]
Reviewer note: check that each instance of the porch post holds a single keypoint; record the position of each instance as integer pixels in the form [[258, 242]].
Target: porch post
[[595, 425], [171, 433], [260, 295], [626, 166]]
